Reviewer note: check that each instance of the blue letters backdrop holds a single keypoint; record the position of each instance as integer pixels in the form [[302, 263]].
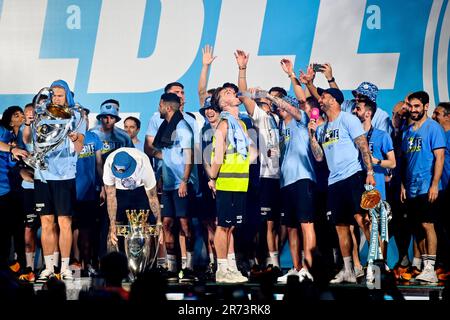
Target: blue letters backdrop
[[129, 50]]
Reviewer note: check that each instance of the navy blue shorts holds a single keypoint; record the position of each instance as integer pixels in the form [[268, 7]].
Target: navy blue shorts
[[31, 218], [231, 207], [298, 203], [175, 207], [344, 198], [55, 197], [270, 199], [132, 200]]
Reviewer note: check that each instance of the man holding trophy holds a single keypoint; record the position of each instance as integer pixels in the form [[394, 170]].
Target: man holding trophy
[[57, 135], [130, 186]]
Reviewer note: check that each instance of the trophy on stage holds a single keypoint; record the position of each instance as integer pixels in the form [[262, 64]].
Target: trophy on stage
[[380, 214], [51, 126], [141, 241]]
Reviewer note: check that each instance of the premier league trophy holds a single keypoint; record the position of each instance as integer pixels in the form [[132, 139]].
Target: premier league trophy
[[380, 214], [51, 126], [141, 241]]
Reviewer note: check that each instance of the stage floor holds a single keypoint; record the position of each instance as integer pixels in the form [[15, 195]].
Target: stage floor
[[186, 291]]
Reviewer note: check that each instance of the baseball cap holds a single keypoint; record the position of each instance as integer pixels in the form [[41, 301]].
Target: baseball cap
[[335, 93]]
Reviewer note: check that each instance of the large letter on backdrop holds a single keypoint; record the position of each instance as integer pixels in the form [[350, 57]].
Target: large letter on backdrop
[[233, 33], [21, 70], [336, 41], [116, 66]]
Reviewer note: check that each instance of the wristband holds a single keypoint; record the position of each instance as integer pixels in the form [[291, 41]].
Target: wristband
[[331, 80], [242, 68]]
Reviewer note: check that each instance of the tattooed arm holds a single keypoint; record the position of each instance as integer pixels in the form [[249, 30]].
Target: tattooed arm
[[154, 203], [363, 146], [111, 203], [315, 146]]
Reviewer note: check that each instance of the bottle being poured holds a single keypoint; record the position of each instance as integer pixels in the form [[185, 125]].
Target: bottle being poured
[[253, 94]]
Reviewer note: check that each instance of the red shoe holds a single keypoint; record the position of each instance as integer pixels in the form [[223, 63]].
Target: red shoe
[[28, 275], [410, 274], [399, 270], [15, 266]]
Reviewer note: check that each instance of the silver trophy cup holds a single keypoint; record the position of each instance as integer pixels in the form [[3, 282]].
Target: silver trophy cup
[[141, 241], [51, 126]]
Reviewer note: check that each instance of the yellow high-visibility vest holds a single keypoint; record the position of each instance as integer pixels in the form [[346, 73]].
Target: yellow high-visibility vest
[[234, 172]]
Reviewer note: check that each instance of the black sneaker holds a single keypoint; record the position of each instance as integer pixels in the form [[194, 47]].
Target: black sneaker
[[210, 273], [171, 277], [187, 275]]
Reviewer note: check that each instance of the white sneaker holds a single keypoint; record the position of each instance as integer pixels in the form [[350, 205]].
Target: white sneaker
[[66, 274], [292, 272], [304, 274], [236, 276], [428, 275], [359, 272], [45, 275], [223, 276], [344, 276]]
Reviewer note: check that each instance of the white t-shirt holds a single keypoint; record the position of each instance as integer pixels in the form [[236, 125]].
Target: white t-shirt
[[143, 175], [269, 139]]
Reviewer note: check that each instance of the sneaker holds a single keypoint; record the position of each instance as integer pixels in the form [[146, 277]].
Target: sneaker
[[428, 275], [172, 277], [91, 271], [292, 272], [15, 266], [410, 274], [66, 275], [359, 272], [187, 275], [236, 276], [45, 275], [399, 270], [223, 276], [210, 274], [75, 265], [304, 275], [28, 275], [344, 276]]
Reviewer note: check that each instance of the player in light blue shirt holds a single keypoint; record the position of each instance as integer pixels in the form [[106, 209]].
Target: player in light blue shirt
[[55, 189], [340, 141], [423, 149], [380, 144]]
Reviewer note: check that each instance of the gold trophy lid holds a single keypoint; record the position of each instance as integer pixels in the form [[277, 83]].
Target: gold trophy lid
[[59, 112], [370, 199]]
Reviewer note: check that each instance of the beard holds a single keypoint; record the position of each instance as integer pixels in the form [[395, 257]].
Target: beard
[[417, 116]]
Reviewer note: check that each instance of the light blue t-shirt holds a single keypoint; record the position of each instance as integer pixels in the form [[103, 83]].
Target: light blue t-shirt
[[113, 140], [417, 148], [86, 177], [173, 158], [62, 162], [29, 148], [380, 119], [153, 125], [296, 155], [341, 153], [139, 145], [380, 144], [446, 171], [5, 162]]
